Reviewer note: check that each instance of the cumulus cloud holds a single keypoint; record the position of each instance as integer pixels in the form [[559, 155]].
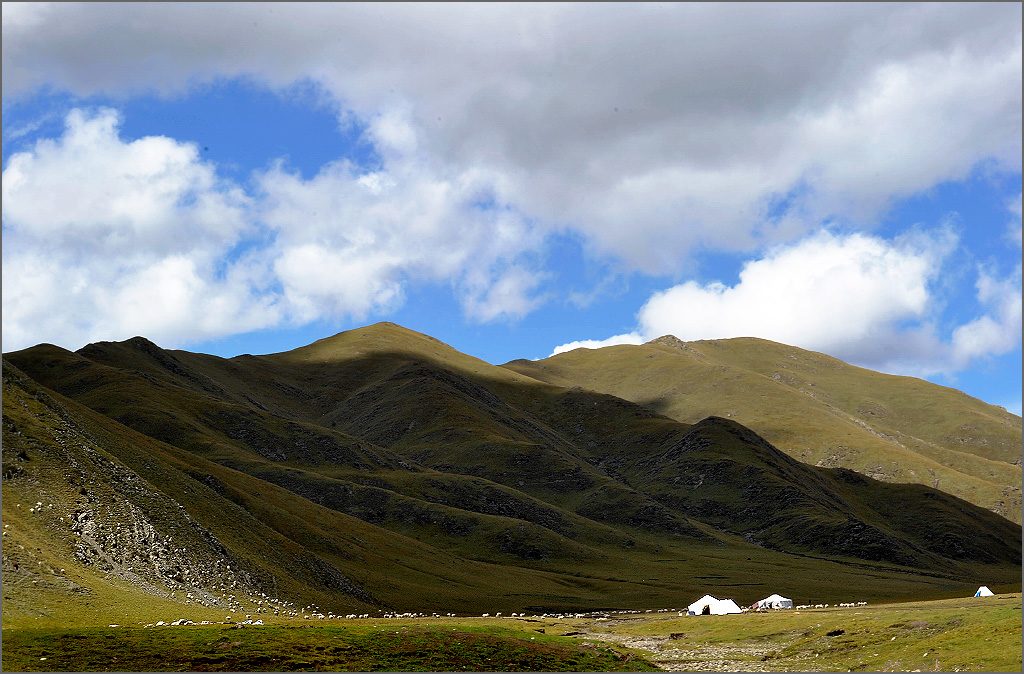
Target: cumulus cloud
[[92, 191], [693, 125], [349, 240], [650, 131], [511, 294], [614, 340], [861, 298], [107, 238], [826, 292], [998, 330]]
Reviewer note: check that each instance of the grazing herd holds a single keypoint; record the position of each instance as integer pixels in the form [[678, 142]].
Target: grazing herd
[[312, 612], [849, 604]]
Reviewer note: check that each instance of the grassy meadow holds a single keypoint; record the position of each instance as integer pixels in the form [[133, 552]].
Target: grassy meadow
[[945, 635]]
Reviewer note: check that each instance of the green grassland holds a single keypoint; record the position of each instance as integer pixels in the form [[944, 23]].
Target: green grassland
[[366, 647], [963, 634], [818, 409]]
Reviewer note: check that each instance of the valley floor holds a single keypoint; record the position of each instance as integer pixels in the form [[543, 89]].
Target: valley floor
[[948, 635]]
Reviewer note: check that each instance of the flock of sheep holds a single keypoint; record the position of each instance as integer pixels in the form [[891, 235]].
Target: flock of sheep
[[849, 604]]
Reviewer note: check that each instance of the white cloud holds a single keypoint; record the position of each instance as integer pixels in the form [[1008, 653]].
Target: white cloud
[[693, 125], [321, 281], [105, 238], [827, 292], [95, 192], [57, 296], [652, 131], [861, 298], [626, 338], [510, 294], [349, 240], [999, 329]]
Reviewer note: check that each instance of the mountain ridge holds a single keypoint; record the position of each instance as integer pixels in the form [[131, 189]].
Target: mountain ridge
[[817, 408], [543, 496]]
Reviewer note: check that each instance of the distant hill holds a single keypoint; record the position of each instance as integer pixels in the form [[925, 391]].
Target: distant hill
[[382, 468], [815, 408]]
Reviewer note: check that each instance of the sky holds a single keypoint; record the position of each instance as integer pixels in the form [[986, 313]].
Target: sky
[[520, 180]]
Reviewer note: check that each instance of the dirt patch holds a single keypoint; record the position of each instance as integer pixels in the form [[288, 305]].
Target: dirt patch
[[697, 658]]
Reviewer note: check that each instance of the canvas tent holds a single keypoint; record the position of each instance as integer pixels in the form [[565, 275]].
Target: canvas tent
[[702, 606], [983, 591], [774, 601], [726, 606], [708, 605]]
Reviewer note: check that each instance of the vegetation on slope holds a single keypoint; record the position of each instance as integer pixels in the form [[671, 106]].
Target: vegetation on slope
[[815, 408], [381, 468]]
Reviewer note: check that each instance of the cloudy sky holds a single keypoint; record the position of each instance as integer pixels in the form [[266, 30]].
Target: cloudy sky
[[518, 180]]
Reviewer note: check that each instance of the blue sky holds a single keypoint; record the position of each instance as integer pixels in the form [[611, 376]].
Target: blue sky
[[218, 181]]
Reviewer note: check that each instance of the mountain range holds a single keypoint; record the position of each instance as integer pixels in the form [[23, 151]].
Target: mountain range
[[381, 468], [815, 408]]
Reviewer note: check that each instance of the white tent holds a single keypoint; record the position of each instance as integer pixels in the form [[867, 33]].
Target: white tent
[[708, 605], [702, 606], [983, 591], [774, 601], [725, 606]]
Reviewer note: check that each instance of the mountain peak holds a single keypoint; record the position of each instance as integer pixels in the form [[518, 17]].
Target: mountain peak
[[137, 343], [383, 337], [140, 342], [673, 341], [668, 340], [385, 329]]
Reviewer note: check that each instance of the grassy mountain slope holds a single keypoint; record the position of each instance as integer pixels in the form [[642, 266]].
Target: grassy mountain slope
[[816, 408], [448, 412], [381, 467], [137, 526], [134, 520]]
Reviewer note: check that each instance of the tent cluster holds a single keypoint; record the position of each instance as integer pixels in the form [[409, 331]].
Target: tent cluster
[[775, 601], [708, 605]]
